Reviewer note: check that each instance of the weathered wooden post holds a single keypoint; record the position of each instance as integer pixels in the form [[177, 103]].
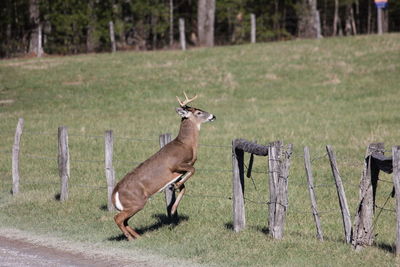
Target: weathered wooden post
[[363, 221], [253, 28], [15, 156], [318, 24], [273, 165], [310, 182], [169, 191], [112, 37], [379, 20], [182, 37], [396, 181], [39, 48], [63, 161], [281, 188], [341, 194], [239, 216], [109, 169]]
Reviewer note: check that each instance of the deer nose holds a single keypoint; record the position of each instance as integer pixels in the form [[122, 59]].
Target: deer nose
[[213, 118]]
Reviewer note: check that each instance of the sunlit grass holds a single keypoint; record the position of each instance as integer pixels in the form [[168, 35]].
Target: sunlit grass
[[341, 92]]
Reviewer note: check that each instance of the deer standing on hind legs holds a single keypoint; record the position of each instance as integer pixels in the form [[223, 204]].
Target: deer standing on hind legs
[[172, 164]]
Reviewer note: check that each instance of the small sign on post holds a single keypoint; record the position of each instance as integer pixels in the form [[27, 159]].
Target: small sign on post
[[381, 3]]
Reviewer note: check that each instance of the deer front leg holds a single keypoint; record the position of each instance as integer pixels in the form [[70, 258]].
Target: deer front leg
[[189, 169]]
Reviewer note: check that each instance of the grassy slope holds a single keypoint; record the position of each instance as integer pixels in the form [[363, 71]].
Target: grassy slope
[[340, 91]]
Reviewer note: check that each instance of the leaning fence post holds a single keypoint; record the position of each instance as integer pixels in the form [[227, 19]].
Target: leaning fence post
[[363, 221], [341, 194], [239, 216], [396, 181], [109, 169], [310, 182], [15, 156], [169, 191], [63, 161]]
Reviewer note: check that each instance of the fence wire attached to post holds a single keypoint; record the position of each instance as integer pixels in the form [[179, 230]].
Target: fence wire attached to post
[[239, 217], [63, 161], [341, 195], [109, 169], [310, 181], [396, 181], [363, 221], [169, 190], [15, 156]]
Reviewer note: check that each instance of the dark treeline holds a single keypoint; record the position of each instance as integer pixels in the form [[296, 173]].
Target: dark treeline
[[74, 26]]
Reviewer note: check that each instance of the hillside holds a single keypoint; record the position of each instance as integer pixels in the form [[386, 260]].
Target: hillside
[[339, 91]]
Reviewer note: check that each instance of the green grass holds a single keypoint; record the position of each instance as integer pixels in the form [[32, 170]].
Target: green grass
[[343, 92]]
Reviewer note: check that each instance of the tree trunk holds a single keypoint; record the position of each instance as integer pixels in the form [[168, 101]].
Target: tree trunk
[[90, 36], [308, 27], [171, 22], [347, 28], [205, 22], [350, 21], [34, 18], [385, 20], [369, 22], [336, 18]]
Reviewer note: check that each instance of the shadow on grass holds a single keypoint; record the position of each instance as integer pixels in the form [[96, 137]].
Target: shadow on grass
[[103, 208], [162, 221], [264, 230], [386, 247]]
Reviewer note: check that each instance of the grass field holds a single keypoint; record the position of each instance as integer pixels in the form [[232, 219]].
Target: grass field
[[342, 91]]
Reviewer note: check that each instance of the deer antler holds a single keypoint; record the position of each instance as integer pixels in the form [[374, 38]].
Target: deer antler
[[186, 101]]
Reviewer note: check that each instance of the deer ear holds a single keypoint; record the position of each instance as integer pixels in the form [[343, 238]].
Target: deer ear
[[182, 112]]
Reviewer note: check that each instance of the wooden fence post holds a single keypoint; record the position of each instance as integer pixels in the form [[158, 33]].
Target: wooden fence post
[[39, 45], [169, 191], [182, 37], [63, 161], [396, 181], [281, 188], [112, 37], [310, 182], [341, 194], [239, 216], [253, 28], [363, 221], [15, 156], [379, 20], [109, 169], [273, 165]]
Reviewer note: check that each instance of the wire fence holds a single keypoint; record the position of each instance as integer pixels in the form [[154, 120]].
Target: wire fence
[[300, 181]]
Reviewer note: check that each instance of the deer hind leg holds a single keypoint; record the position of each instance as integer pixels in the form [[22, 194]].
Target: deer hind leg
[[121, 219], [178, 199]]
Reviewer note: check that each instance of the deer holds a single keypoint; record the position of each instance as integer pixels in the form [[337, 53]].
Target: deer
[[171, 165]]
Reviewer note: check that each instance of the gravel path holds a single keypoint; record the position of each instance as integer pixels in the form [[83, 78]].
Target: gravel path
[[16, 252]]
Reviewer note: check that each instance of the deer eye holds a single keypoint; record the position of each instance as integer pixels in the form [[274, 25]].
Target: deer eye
[[198, 112]]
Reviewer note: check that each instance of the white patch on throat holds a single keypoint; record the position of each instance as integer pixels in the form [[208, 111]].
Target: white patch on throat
[[198, 126], [118, 204]]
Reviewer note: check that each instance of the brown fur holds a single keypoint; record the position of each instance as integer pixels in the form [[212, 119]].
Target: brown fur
[[175, 158]]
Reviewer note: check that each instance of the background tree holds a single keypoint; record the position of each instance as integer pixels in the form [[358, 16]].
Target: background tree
[[76, 26], [34, 28], [205, 22], [307, 11]]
